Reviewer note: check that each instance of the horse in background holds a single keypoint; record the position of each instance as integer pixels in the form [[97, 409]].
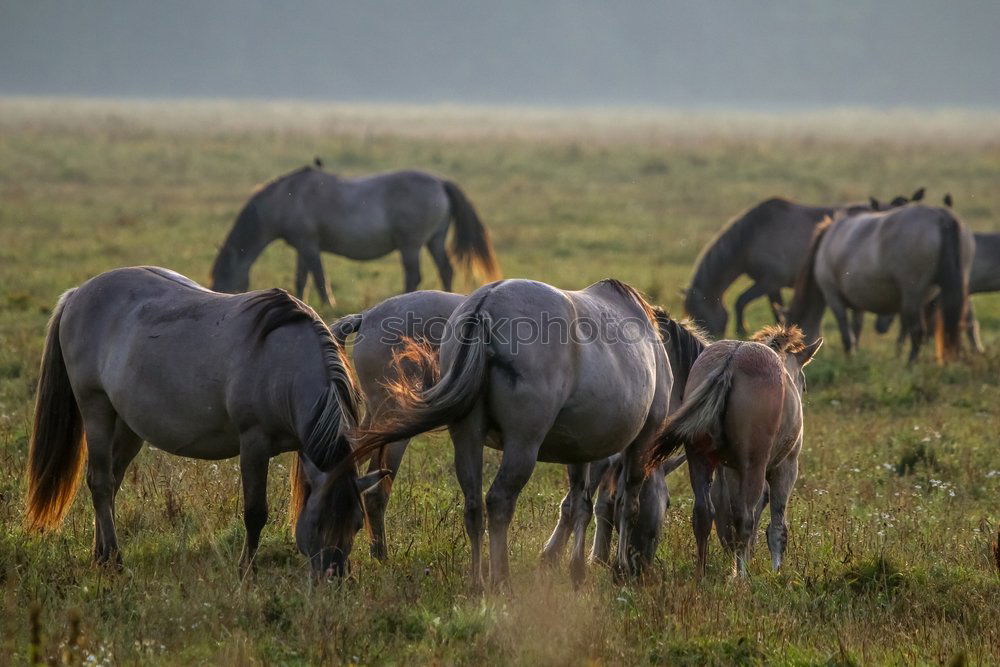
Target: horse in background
[[145, 354], [984, 277], [314, 211], [743, 411], [768, 243], [590, 379], [881, 262]]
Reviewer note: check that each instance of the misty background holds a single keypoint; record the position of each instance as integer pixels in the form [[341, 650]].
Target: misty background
[[766, 54]]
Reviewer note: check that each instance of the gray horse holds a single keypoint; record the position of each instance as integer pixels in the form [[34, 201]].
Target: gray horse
[[542, 374], [383, 333], [145, 354], [769, 244], [742, 410], [314, 211], [602, 479], [891, 262], [984, 277]]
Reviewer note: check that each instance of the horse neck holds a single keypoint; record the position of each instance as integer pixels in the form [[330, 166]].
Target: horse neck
[[719, 267], [245, 243]]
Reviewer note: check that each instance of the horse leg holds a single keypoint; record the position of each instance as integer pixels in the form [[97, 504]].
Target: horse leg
[[839, 311], [99, 420], [467, 437], [701, 471], [722, 502], [581, 520], [301, 274], [745, 501], [436, 246], [411, 267], [125, 446], [972, 329], [857, 323], [576, 475], [254, 459], [911, 319], [604, 511], [314, 264], [755, 291], [781, 480], [376, 500], [518, 462]]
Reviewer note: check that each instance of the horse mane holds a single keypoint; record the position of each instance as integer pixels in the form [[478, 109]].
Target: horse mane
[[335, 414], [805, 287], [686, 339], [630, 292], [781, 338]]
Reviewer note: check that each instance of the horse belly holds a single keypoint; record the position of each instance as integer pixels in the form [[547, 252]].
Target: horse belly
[[593, 431], [359, 236], [169, 398]]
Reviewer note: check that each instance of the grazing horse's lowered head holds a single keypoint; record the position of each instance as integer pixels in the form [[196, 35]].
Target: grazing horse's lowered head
[[330, 515]]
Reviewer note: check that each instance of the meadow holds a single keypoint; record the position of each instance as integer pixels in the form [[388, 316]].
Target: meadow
[[892, 523]]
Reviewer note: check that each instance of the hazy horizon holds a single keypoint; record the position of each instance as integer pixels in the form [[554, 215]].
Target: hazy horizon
[[769, 55]]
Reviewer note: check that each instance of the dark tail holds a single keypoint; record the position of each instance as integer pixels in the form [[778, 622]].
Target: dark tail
[[56, 454], [471, 244], [420, 409], [701, 414], [345, 326], [807, 291], [954, 292]]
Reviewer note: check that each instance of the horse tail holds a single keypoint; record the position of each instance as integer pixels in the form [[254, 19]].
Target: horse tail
[[345, 326], [954, 291], [807, 291], [419, 408], [58, 446], [700, 414], [471, 245]]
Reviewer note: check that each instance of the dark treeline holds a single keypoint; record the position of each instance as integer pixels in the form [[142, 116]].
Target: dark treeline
[[766, 53]]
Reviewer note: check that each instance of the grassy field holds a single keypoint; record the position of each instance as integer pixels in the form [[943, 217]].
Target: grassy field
[[891, 522]]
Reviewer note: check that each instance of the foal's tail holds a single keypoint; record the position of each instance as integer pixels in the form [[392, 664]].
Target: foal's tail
[[954, 292], [56, 454], [471, 245], [699, 415], [420, 408], [345, 326]]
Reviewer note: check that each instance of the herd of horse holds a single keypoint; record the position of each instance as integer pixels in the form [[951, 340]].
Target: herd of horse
[[597, 379]]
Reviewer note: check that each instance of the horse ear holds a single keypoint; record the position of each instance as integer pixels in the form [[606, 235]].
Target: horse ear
[[948, 201], [368, 482], [918, 195], [780, 312], [318, 162], [314, 475], [806, 354], [874, 203]]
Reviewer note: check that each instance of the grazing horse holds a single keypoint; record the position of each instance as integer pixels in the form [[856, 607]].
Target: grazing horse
[[542, 374], [983, 277], [145, 354], [891, 262], [683, 343], [367, 218], [769, 244], [743, 410], [383, 332]]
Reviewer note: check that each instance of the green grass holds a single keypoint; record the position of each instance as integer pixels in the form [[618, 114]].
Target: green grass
[[891, 522]]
